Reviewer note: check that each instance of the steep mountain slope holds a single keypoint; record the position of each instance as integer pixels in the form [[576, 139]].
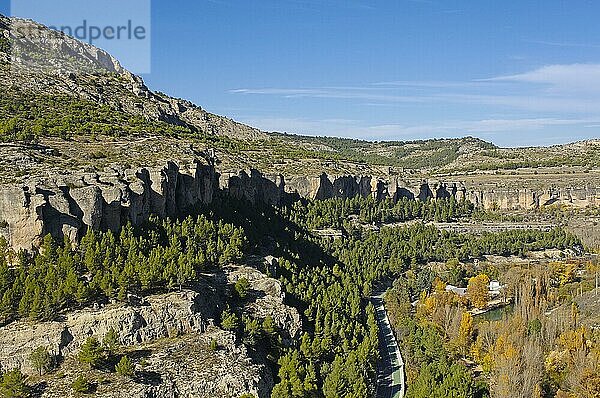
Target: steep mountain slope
[[51, 64], [55, 86]]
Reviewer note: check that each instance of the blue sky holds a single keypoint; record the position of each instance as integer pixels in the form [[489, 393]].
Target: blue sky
[[512, 72]]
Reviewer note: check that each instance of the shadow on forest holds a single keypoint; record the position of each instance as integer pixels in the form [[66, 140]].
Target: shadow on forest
[[263, 224], [139, 354]]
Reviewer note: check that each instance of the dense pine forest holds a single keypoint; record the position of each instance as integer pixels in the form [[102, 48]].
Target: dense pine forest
[[159, 255], [329, 281], [338, 212]]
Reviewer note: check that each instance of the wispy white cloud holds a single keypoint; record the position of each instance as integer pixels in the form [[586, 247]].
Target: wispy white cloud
[[537, 102], [349, 93], [279, 91], [564, 44], [552, 88], [303, 4], [432, 84], [478, 127], [531, 102], [572, 78]]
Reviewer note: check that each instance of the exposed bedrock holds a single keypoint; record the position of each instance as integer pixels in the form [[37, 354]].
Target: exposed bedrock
[[173, 331], [528, 199], [66, 205], [166, 315], [275, 189], [255, 187]]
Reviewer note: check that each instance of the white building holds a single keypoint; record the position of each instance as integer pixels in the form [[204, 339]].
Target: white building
[[494, 289], [461, 291]]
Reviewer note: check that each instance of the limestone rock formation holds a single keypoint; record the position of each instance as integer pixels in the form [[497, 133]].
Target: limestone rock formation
[[185, 367], [65, 205], [528, 199], [21, 215], [573, 196], [160, 316], [172, 331], [255, 187], [267, 300]]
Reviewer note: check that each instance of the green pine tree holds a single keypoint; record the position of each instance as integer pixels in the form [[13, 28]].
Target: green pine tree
[[40, 359], [125, 367], [91, 352], [13, 385]]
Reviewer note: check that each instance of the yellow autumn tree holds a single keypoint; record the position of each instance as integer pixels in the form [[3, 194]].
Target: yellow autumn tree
[[426, 307], [478, 290], [556, 364], [573, 340], [465, 332], [439, 286], [565, 272]]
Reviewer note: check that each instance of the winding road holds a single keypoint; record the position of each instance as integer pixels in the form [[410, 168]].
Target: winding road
[[390, 374]]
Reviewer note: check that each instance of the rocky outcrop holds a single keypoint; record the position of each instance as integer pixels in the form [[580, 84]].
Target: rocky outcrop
[[573, 196], [529, 199], [64, 206], [41, 50], [185, 367], [169, 337], [266, 299], [380, 188], [159, 316], [21, 216], [172, 332], [505, 199], [255, 187]]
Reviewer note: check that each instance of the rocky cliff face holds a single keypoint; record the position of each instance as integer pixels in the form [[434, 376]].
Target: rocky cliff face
[[267, 300], [529, 199], [65, 205], [276, 189], [256, 187], [185, 367], [160, 316]]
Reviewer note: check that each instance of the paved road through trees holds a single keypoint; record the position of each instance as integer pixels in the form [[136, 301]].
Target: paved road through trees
[[390, 377]]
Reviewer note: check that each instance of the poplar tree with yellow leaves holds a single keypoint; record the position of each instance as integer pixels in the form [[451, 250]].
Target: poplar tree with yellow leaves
[[478, 290]]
